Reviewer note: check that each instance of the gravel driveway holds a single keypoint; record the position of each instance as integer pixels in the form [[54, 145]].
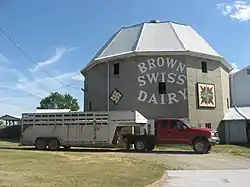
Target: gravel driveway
[[203, 170], [208, 178], [190, 161]]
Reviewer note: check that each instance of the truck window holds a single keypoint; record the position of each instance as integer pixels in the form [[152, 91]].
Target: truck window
[[177, 125], [164, 124]]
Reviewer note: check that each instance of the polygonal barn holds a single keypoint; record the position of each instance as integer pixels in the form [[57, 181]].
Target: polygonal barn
[[161, 69]]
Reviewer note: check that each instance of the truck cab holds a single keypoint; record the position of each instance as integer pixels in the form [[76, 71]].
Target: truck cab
[[179, 131]]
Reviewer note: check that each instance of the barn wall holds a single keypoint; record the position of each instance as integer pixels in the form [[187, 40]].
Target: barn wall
[[96, 88], [216, 75], [138, 84]]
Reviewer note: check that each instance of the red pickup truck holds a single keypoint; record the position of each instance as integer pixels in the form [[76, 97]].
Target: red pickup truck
[[175, 131]]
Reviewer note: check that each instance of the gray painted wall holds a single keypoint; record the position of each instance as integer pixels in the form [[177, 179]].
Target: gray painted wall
[[136, 82], [96, 88], [217, 75]]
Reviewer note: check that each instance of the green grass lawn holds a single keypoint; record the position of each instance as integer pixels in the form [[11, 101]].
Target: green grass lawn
[[235, 150], [51, 169]]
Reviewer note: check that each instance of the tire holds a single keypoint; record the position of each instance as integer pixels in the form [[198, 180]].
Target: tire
[[150, 147], [54, 145], [40, 144], [140, 146], [66, 148], [200, 146]]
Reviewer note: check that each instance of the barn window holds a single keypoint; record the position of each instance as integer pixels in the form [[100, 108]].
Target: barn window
[[204, 67], [116, 69], [248, 71], [208, 125], [162, 87]]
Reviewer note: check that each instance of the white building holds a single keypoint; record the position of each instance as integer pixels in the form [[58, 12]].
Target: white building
[[239, 87], [235, 127]]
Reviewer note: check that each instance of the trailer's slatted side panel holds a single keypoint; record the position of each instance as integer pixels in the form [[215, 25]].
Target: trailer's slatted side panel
[[122, 117], [69, 118]]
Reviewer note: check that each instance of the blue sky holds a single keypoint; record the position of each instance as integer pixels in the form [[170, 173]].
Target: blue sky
[[62, 36]]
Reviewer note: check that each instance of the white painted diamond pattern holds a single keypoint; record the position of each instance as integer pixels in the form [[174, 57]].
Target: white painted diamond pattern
[[115, 96]]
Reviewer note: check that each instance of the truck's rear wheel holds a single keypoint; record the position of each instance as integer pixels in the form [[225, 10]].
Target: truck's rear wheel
[[53, 145], [200, 146], [40, 144], [140, 145]]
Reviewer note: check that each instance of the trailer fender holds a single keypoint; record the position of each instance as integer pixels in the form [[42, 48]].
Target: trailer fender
[[47, 139]]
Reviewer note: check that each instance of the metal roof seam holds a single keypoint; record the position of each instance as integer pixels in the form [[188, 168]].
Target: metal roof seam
[[139, 38], [178, 37]]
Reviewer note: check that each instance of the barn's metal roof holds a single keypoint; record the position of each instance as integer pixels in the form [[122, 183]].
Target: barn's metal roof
[[154, 37], [238, 113]]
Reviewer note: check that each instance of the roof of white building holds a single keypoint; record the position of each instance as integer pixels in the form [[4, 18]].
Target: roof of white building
[[237, 71], [237, 113], [155, 36], [10, 117]]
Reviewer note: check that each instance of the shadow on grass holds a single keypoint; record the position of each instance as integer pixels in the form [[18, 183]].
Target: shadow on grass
[[102, 150]]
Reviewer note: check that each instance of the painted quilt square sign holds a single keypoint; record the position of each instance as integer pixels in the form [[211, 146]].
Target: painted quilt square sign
[[206, 95], [115, 96]]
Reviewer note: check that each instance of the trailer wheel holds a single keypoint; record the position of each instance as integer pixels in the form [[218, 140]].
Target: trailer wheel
[[54, 145], [40, 144], [200, 146], [66, 147], [140, 145]]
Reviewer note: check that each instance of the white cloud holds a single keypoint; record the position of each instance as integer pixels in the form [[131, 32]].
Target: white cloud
[[38, 88], [3, 59], [60, 52], [238, 10], [234, 65], [235, 68], [79, 77], [22, 91], [12, 109], [43, 86]]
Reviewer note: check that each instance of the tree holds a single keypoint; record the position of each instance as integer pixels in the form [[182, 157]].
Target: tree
[[59, 101]]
